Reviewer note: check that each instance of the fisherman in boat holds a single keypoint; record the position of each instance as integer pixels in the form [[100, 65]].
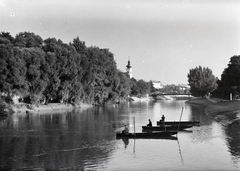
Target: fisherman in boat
[[126, 130], [163, 119], [149, 123], [162, 122]]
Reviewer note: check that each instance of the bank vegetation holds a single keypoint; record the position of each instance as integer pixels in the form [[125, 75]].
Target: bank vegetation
[[36, 71]]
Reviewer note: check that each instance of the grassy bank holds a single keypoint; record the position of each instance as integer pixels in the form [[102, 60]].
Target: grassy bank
[[200, 102], [226, 112]]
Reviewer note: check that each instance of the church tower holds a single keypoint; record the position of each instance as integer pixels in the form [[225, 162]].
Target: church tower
[[129, 69]]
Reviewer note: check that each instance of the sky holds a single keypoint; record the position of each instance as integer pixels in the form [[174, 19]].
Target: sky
[[163, 39]]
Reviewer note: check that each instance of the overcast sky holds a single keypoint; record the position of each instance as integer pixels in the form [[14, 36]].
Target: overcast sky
[[162, 38]]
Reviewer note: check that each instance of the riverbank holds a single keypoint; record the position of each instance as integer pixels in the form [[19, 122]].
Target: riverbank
[[137, 99], [6, 109], [49, 108], [223, 111]]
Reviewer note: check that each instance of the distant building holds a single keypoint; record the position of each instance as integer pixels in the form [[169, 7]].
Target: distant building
[[184, 87], [157, 84], [129, 69]]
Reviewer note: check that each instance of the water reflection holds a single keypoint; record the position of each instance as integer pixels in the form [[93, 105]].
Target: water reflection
[[180, 152], [86, 140], [198, 114], [125, 141], [233, 142], [57, 141], [2, 121]]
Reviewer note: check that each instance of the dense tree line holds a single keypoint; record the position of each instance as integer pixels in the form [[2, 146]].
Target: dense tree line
[[140, 88], [203, 82], [49, 70], [230, 80]]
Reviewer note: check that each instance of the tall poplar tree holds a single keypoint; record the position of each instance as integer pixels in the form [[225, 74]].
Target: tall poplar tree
[[201, 81]]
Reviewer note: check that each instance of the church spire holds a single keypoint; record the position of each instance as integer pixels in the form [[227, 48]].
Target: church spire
[[129, 68]]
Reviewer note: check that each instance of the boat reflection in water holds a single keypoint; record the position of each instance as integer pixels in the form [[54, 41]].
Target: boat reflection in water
[[125, 141], [150, 135], [147, 137]]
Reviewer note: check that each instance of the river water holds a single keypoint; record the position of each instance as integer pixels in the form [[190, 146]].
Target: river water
[[85, 140]]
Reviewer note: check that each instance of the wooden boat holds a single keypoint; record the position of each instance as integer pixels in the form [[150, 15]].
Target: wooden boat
[[162, 138], [182, 123], [168, 127], [160, 134]]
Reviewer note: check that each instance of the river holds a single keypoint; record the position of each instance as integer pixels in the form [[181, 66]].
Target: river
[[85, 140]]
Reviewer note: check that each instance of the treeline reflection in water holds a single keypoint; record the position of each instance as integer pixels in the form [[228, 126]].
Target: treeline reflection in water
[[233, 141], [85, 140], [57, 141]]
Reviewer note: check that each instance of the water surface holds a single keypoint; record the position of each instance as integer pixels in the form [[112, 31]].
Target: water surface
[[85, 140]]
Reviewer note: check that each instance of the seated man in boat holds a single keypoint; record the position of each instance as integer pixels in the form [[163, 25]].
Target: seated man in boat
[[126, 130], [149, 123]]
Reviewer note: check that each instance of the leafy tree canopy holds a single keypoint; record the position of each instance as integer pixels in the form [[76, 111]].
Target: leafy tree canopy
[[231, 74], [140, 87], [27, 39], [6, 38], [52, 71], [201, 81], [230, 80]]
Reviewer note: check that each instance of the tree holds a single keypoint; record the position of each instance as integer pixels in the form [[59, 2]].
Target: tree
[[50, 45], [201, 81], [144, 87], [6, 38], [122, 85], [50, 92], [5, 54], [152, 88], [27, 39], [231, 74], [52, 71], [12, 72], [134, 88], [79, 45], [68, 65], [230, 80], [35, 75], [140, 87], [99, 75]]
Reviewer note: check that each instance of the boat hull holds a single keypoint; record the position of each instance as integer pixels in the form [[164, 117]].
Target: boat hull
[[168, 128], [161, 138], [147, 134], [182, 123]]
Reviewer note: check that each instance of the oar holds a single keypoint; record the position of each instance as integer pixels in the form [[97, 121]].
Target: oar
[[134, 125], [180, 119], [134, 134]]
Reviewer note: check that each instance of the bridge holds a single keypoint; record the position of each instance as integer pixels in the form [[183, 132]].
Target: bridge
[[169, 96]]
